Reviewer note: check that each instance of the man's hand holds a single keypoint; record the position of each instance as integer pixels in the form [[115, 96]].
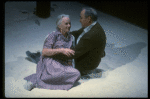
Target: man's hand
[[70, 63]]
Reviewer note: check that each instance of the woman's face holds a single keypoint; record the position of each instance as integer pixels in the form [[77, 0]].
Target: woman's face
[[65, 25]]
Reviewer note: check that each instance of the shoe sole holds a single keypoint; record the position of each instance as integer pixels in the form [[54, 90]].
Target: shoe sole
[[28, 53]]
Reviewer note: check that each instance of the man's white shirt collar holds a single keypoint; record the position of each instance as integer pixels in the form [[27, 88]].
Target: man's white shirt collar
[[89, 27], [86, 30]]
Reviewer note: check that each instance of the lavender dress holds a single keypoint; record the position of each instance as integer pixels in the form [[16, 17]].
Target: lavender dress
[[52, 73]]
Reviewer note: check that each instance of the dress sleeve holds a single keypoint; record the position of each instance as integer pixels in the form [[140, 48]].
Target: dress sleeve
[[50, 40]]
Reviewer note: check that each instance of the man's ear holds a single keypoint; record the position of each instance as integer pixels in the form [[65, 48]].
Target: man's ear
[[89, 18]]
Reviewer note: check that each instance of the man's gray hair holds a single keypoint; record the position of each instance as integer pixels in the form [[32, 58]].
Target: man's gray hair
[[59, 19], [90, 12]]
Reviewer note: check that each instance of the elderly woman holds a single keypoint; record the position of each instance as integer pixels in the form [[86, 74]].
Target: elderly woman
[[53, 73]]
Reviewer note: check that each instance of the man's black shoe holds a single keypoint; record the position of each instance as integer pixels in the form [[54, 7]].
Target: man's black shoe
[[104, 54], [34, 57], [85, 77]]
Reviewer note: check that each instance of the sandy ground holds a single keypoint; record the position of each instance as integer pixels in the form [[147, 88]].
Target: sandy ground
[[125, 65]]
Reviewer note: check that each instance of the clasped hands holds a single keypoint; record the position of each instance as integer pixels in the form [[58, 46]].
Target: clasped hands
[[68, 52]]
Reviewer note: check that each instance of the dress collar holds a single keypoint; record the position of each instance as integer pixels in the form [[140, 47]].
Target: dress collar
[[66, 39], [58, 32]]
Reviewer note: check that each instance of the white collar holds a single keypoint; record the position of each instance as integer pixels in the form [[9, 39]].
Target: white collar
[[90, 26]]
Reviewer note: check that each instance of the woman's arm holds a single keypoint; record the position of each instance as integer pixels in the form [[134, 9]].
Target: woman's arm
[[51, 52]]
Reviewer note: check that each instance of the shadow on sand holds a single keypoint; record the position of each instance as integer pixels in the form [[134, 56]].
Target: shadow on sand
[[116, 57]]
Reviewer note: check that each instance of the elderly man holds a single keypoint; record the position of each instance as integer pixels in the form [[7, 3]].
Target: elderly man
[[90, 43]]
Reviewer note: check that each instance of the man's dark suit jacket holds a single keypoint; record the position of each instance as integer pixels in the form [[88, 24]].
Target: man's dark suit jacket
[[90, 48]]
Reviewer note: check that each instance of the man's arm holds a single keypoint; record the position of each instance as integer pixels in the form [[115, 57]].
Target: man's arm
[[77, 33], [85, 45]]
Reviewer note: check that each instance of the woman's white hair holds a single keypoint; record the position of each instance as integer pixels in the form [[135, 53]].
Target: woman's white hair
[[59, 20]]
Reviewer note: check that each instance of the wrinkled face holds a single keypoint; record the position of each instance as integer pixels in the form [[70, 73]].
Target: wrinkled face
[[84, 21], [65, 25]]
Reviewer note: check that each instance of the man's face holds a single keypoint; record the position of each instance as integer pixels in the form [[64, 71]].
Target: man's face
[[84, 21], [65, 25]]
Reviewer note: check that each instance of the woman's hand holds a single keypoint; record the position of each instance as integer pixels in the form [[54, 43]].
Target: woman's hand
[[66, 51]]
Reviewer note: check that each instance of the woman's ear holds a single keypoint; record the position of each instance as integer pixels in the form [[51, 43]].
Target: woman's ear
[[60, 29], [58, 26]]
